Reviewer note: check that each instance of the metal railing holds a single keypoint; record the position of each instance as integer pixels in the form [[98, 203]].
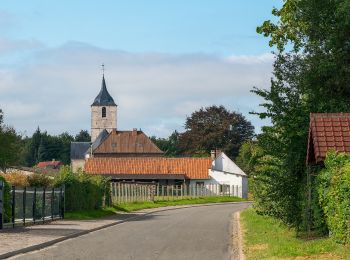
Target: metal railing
[[31, 205]]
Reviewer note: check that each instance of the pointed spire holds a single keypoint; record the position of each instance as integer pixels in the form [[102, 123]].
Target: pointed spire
[[103, 98]]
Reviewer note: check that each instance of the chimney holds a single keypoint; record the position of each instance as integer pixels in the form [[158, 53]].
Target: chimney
[[134, 132]]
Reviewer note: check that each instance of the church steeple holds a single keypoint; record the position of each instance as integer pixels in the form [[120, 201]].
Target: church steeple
[[103, 112], [103, 98]]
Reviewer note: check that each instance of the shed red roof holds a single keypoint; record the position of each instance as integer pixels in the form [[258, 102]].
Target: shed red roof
[[193, 168], [52, 164], [327, 131]]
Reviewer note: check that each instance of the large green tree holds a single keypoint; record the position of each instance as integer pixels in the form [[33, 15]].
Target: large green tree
[[311, 74], [83, 136], [215, 127], [9, 145], [170, 145]]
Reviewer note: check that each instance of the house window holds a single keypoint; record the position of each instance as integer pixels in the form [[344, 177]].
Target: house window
[[200, 183], [103, 112]]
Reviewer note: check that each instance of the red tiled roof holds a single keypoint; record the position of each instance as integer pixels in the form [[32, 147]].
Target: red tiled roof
[[53, 164], [328, 131], [193, 168]]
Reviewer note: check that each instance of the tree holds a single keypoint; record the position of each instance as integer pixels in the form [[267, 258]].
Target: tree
[[215, 127], [9, 145], [249, 154], [83, 136], [311, 74], [168, 145]]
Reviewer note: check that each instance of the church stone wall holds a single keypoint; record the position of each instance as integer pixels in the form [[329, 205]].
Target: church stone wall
[[98, 123]]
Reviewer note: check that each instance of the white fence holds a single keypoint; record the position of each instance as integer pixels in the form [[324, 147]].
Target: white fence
[[133, 192]]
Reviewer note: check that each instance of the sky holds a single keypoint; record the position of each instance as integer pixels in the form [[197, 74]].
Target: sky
[[163, 61]]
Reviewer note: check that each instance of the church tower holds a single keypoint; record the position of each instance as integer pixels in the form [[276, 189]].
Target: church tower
[[103, 112]]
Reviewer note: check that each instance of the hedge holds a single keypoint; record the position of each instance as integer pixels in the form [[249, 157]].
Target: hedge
[[82, 191], [334, 195]]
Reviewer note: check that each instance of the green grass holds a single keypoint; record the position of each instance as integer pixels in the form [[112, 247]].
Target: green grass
[[129, 207], [268, 238], [90, 214], [133, 206]]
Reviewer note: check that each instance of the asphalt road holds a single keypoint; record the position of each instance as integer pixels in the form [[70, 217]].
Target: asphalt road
[[190, 233]]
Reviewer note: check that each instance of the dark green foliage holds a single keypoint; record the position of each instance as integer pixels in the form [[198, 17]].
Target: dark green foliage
[[10, 143], [273, 187], [215, 127], [7, 205], [248, 156], [82, 191], [44, 147], [313, 219], [334, 195], [83, 136], [311, 74], [170, 145]]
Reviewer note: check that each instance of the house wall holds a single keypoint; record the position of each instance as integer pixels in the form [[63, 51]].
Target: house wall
[[77, 164], [238, 183], [98, 123], [225, 164]]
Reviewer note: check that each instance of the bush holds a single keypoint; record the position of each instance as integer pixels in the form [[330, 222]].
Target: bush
[[40, 180], [334, 195], [82, 191], [16, 178], [274, 190]]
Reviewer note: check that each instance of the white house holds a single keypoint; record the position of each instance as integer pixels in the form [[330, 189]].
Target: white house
[[225, 172]]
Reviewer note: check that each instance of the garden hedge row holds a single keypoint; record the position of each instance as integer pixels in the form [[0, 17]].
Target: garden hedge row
[[334, 195]]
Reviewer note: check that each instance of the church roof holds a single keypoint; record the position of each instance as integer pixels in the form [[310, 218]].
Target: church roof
[[103, 98], [127, 142], [99, 139], [78, 150]]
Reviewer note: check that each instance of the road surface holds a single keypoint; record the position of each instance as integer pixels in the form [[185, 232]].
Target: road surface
[[196, 233]]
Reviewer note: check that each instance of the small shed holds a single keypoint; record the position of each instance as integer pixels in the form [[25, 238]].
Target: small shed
[[327, 131]]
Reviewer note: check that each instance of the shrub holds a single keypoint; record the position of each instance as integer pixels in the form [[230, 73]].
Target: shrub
[[334, 195], [82, 191], [273, 187], [16, 178], [40, 180]]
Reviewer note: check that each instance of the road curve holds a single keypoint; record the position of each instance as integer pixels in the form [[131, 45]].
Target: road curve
[[188, 233]]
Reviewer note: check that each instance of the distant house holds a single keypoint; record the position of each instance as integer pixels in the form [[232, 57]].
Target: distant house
[[49, 165], [169, 171], [327, 131]]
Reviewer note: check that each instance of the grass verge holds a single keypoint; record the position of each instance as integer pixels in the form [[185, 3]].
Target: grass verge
[[90, 214], [268, 238], [133, 206], [128, 207]]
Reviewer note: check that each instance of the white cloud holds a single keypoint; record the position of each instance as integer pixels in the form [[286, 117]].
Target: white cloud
[[154, 91], [8, 46]]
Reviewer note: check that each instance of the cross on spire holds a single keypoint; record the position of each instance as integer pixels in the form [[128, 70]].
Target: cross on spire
[[103, 69]]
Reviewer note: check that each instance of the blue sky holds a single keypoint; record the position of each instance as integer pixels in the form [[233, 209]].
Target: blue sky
[[163, 59]]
